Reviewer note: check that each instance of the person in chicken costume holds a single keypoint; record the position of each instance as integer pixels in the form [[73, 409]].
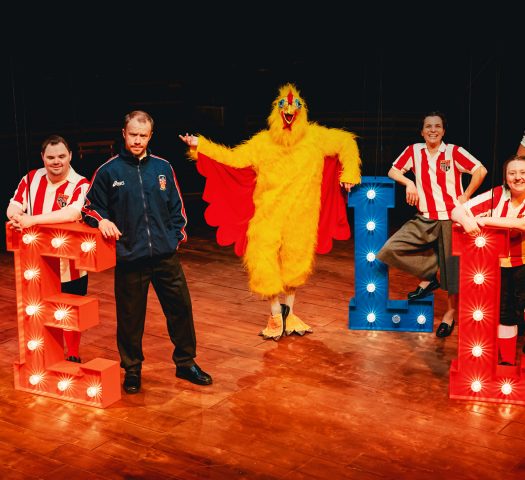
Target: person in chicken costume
[[278, 197]]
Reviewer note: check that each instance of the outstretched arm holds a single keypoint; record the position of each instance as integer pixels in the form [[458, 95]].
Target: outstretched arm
[[240, 156]]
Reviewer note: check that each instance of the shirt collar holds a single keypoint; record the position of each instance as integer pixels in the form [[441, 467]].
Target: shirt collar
[[71, 177], [126, 154], [442, 147]]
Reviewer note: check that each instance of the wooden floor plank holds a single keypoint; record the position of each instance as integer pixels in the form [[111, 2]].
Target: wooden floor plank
[[337, 403]]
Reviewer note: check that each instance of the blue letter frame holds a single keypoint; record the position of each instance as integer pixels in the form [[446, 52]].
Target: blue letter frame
[[371, 309]]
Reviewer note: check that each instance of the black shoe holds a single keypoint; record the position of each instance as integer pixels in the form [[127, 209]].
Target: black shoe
[[194, 374], [420, 292], [444, 329], [508, 364], [132, 382], [72, 358]]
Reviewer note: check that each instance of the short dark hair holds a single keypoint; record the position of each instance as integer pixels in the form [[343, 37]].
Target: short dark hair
[[435, 113], [140, 115], [506, 164], [54, 140]]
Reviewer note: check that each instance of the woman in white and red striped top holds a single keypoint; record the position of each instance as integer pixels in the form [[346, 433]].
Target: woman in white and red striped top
[[504, 206], [54, 193], [423, 244]]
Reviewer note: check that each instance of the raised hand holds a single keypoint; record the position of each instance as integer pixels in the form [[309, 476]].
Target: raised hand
[[190, 140]]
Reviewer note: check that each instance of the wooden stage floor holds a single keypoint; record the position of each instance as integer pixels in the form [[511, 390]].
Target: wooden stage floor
[[334, 404]]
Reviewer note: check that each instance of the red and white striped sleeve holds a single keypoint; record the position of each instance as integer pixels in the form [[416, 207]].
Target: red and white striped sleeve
[[405, 161], [465, 162], [79, 194], [484, 204]]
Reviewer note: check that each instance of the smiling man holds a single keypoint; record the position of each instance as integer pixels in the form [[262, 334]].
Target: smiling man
[[424, 244], [54, 194]]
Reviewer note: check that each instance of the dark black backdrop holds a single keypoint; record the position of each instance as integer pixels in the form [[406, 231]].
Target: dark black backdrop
[[218, 77]]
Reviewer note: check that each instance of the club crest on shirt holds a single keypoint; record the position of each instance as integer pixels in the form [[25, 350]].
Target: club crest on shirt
[[62, 200], [444, 165], [162, 182]]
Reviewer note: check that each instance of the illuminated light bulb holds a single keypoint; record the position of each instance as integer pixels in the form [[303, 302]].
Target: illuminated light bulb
[[371, 194], [93, 391], [30, 273], [477, 351], [60, 314], [477, 315], [34, 344], [396, 318], [63, 385], [35, 379], [371, 317], [371, 287], [28, 238], [475, 386], [506, 388], [88, 246], [370, 256], [371, 226], [479, 278], [31, 309], [421, 319], [57, 242], [480, 241]]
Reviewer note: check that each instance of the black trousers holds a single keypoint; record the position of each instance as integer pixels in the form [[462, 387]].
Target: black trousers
[[512, 295], [75, 287], [132, 280]]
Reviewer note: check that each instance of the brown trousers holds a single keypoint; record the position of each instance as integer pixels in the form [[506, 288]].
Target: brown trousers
[[420, 247]]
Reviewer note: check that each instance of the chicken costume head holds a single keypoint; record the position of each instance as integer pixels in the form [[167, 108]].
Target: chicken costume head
[[288, 120]]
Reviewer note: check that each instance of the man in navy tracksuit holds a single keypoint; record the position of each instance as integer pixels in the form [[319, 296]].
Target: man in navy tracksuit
[[135, 198]]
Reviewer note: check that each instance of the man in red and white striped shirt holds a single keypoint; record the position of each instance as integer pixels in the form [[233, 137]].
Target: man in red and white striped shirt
[[424, 243], [504, 206], [54, 193]]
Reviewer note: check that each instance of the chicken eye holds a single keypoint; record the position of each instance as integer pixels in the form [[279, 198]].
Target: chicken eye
[[281, 103], [298, 104]]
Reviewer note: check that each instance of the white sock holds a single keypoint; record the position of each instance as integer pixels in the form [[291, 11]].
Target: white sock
[[507, 331], [275, 306]]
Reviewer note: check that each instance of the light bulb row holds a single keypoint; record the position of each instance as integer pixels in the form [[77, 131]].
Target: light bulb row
[[476, 386], [60, 314], [60, 241], [65, 384], [371, 318]]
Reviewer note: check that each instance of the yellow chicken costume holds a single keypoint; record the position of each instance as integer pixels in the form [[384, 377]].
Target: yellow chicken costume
[[288, 162]]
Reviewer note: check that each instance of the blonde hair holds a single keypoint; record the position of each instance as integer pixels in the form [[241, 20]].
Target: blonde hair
[[140, 115]]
